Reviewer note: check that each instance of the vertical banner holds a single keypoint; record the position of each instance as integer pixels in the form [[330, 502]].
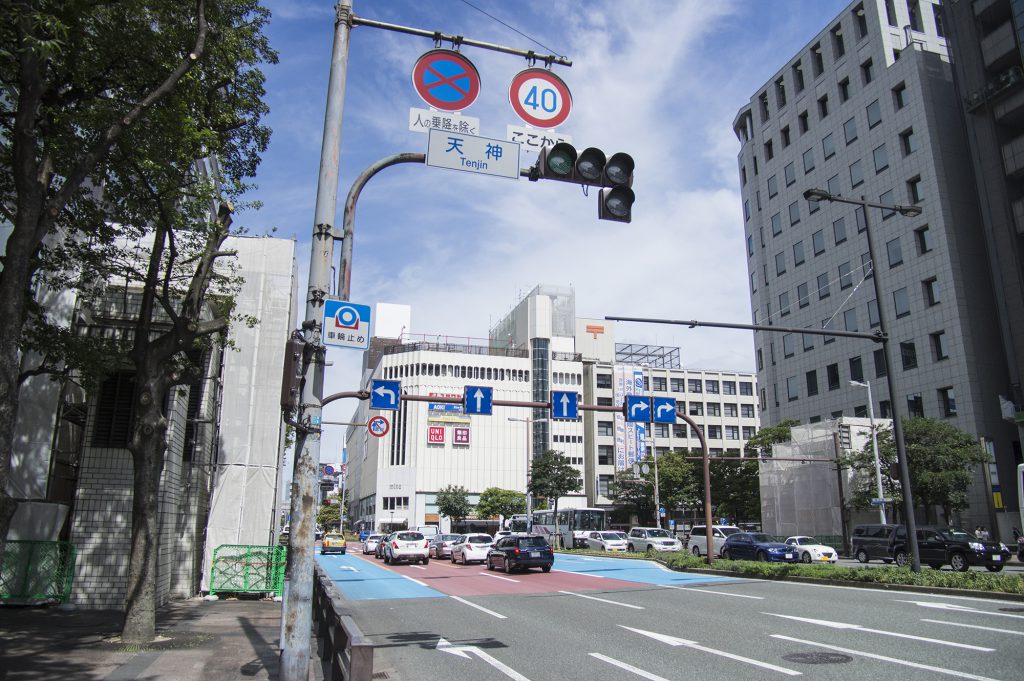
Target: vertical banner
[[630, 438]]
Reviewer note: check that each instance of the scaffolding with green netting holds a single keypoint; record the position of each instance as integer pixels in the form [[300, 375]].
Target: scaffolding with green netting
[[245, 568], [37, 571]]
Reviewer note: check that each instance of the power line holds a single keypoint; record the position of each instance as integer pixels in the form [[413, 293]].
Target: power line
[[510, 27]]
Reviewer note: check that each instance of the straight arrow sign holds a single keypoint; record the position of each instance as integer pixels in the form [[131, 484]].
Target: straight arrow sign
[[844, 625], [673, 641], [446, 646]]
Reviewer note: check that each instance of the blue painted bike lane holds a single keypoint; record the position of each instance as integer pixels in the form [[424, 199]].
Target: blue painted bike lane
[[363, 580], [632, 570]]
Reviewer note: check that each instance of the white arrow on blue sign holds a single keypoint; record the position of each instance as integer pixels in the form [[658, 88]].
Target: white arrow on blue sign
[[565, 405], [638, 408], [478, 400], [385, 394], [664, 410]]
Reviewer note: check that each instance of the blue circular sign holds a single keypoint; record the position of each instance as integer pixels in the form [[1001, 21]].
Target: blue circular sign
[[446, 80]]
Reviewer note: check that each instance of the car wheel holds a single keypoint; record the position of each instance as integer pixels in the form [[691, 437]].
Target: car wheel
[[958, 562], [725, 554], [632, 549], [547, 568], [862, 556], [994, 568], [650, 550], [901, 558], [452, 558], [426, 561], [343, 552], [806, 557], [508, 567], [762, 556], [490, 566], [696, 551], [387, 559]]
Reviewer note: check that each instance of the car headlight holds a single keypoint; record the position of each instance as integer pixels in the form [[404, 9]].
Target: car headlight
[[976, 546], [1004, 547]]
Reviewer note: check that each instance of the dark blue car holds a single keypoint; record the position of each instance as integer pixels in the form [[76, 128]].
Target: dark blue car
[[758, 546]]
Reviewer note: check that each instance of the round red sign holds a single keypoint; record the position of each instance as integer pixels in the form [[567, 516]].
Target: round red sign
[[540, 98], [378, 426], [446, 80]]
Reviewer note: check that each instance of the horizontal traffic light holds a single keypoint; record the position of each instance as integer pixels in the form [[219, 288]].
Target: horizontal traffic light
[[592, 168]]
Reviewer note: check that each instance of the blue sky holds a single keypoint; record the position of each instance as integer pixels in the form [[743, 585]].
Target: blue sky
[[661, 80]]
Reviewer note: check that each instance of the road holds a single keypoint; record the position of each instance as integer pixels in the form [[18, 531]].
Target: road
[[605, 618]]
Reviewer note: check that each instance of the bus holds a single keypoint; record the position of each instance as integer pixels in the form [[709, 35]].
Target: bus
[[574, 524], [518, 523]]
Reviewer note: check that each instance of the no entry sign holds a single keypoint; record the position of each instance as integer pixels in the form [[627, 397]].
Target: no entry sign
[[540, 98], [446, 80]]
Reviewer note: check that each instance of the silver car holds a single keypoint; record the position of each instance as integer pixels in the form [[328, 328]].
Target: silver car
[[441, 545], [606, 541], [370, 544]]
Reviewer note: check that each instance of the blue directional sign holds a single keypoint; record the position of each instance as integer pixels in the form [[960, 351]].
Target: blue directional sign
[[565, 405], [478, 400], [638, 408], [385, 394], [664, 410]]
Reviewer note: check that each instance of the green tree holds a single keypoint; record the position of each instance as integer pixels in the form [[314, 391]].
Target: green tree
[[761, 444], [676, 486], [635, 493], [495, 501], [941, 458], [552, 477], [329, 516], [453, 502]]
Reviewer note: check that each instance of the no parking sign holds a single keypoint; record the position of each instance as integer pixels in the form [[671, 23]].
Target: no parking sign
[[446, 80]]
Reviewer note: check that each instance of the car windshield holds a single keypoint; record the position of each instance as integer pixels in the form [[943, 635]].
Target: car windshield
[[728, 530], [480, 539], [448, 537], [957, 533], [373, 537], [532, 541], [803, 541], [761, 537], [332, 535], [409, 536], [658, 533], [612, 536]]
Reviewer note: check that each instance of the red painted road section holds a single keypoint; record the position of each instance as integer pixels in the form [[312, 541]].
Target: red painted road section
[[477, 580]]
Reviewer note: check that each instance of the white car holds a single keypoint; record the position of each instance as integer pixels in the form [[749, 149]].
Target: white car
[[501, 533], [606, 541], [698, 542], [370, 544], [407, 545], [810, 551], [471, 547], [651, 539]]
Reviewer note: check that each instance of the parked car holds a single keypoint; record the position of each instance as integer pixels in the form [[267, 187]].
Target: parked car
[[407, 545], [607, 541], [441, 545], [379, 551], [333, 542], [651, 539], [698, 541], [872, 542], [810, 551], [471, 547], [757, 546], [370, 543], [954, 546], [521, 552], [502, 533]]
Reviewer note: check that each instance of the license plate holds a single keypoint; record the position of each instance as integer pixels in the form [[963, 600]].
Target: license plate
[[534, 554], [789, 556], [997, 558]]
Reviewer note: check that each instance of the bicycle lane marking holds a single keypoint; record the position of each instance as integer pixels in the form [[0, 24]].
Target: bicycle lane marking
[[633, 570], [359, 579]]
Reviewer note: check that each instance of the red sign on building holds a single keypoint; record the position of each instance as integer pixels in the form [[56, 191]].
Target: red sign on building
[[435, 435], [460, 436]]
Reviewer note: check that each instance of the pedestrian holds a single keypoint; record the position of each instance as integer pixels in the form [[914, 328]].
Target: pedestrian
[[981, 533]]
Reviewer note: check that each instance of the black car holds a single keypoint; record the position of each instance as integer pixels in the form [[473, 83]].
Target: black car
[[873, 541], [757, 546], [953, 546], [521, 552]]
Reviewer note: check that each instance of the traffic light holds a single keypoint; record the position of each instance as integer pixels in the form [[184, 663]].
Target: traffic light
[[291, 382], [591, 168]]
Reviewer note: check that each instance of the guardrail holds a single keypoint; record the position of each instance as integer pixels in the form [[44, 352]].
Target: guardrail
[[345, 654]]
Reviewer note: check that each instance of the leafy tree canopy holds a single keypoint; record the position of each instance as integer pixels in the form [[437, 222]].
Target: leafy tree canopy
[[495, 501], [329, 516], [552, 476], [761, 443], [453, 502]]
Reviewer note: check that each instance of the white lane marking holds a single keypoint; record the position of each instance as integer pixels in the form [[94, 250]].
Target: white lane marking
[[418, 567], [894, 591], [857, 627], [673, 641], [507, 579], [464, 651], [962, 608], [976, 626], [480, 607], [581, 574], [916, 665], [709, 591], [603, 600], [412, 580], [628, 667]]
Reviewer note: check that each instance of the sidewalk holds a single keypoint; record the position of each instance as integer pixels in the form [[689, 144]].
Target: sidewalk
[[225, 640]]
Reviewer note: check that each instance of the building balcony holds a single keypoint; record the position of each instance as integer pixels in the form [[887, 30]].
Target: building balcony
[[1013, 158], [999, 48]]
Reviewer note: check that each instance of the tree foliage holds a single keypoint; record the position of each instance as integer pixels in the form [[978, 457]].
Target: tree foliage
[[329, 516], [453, 502], [677, 487], [552, 477], [761, 444], [495, 501]]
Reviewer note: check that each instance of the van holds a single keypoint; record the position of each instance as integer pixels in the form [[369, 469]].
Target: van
[[698, 543], [428, 531], [872, 542]]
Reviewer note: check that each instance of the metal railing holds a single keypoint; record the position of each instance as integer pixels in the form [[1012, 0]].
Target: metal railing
[[244, 568], [345, 654], [37, 570]]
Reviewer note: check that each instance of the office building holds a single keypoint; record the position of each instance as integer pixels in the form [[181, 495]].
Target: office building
[[868, 109]]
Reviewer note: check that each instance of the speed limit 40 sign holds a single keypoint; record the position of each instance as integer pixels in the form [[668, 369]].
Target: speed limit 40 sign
[[540, 98]]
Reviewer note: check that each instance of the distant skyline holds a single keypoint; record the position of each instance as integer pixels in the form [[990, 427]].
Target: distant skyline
[[660, 80]]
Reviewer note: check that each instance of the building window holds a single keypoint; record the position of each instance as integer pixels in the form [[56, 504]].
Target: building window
[[860, 21], [887, 199], [873, 320], [915, 405], [862, 222], [901, 302], [798, 253], [792, 388], [115, 411], [823, 291], [908, 354], [763, 101], [878, 359], [947, 401], [788, 345], [605, 428], [907, 142], [856, 369], [746, 388], [865, 265], [731, 410], [939, 28], [747, 411], [844, 90], [881, 158], [660, 384], [794, 213], [802, 299], [856, 174], [832, 371], [696, 409], [750, 246], [711, 387], [780, 93], [931, 291], [695, 385], [914, 189], [818, 242], [874, 111], [812, 383], [784, 135], [867, 71], [899, 96], [828, 146], [817, 60], [780, 263], [938, 340], [890, 12], [773, 187], [603, 380], [823, 106], [784, 303], [769, 151], [809, 160], [838, 47], [915, 19], [850, 319], [895, 252], [604, 401], [790, 173], [605, 455], [803, 122], [833, 185], [839, 230], [808, 341], [753, 282], [798, 76], [677, 385], [728, 387], [850, 131], [732, 432], [923, 240], [714, 432], [845, 280], [776, 221], [679, 430]]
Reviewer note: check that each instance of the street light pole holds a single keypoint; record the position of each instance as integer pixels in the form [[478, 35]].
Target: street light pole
[[890, 375], [529, 461], [874, 447]]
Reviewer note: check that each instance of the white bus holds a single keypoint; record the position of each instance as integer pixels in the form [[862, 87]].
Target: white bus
[[574, 524], [518, 523]]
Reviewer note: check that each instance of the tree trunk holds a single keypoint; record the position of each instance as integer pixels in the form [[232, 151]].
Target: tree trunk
[[148, 446]]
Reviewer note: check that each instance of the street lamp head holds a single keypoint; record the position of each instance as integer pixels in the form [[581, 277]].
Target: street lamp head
[[817, 195], [909, 211], [859, 383]]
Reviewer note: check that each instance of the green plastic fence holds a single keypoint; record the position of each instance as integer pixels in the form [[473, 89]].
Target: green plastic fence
[[37, 570], [243, 568]]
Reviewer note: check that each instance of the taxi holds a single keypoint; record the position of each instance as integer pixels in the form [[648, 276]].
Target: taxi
[[333, 542]]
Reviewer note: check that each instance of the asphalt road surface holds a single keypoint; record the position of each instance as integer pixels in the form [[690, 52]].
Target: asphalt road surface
[[605, 618]]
